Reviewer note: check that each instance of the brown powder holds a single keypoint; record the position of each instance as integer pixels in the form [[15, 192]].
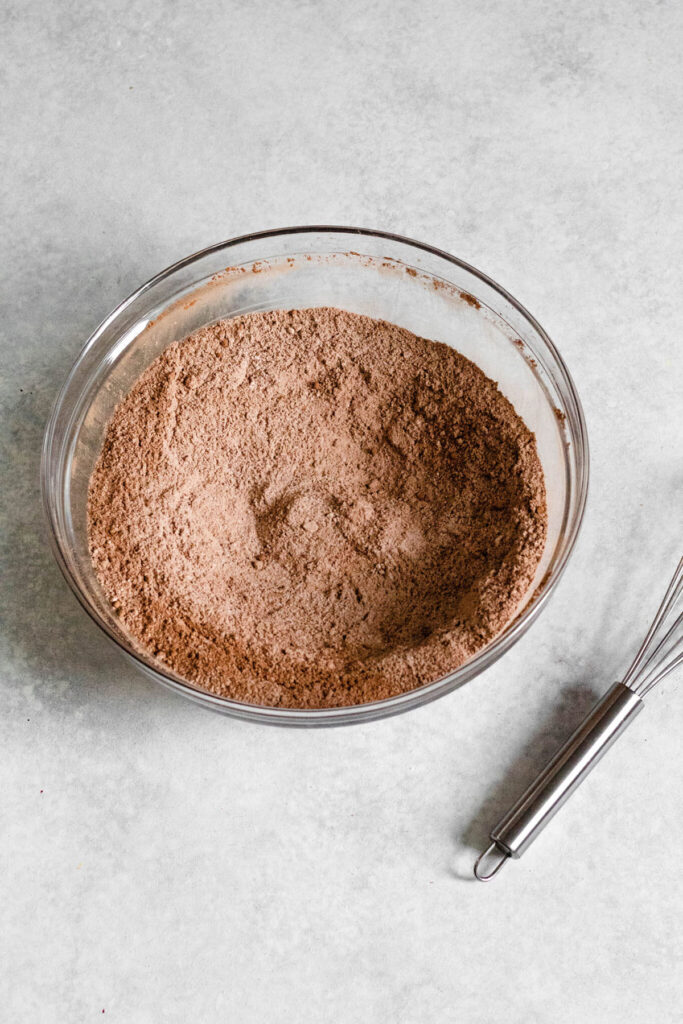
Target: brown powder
[[311, 508]]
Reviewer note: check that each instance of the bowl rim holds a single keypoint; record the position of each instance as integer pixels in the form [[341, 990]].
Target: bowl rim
[[484, 658]]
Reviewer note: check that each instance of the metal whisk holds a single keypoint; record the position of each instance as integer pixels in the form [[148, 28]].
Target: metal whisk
[[660, 653]]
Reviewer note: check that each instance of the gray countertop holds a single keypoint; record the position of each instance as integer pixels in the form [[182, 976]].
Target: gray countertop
[[160, 863]]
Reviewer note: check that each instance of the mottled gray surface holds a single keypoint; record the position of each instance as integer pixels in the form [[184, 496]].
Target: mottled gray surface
[[163, 864]]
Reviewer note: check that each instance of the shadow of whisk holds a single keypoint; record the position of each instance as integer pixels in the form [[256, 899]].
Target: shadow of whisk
[[574, 703]]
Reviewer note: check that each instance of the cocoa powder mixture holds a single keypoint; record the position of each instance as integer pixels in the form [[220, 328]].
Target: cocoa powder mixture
[[311, 508]]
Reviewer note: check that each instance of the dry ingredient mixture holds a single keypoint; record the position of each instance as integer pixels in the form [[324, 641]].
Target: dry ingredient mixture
[[311, 508]]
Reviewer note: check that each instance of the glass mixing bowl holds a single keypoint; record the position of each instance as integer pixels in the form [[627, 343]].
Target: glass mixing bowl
[[382, 275]]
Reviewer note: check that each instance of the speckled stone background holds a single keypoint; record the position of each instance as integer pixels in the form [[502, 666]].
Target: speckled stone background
[[160, 864]]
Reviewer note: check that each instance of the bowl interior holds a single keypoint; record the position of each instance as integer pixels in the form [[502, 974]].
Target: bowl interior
[[392, 279]]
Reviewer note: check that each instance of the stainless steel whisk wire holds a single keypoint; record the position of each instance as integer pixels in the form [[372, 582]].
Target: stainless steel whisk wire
[[659, 654], [650, 664]]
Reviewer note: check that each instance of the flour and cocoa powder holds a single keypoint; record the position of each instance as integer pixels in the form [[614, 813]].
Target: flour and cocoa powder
[[311, 508]]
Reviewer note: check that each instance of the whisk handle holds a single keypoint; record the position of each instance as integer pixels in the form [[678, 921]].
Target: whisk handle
[[515, 832]]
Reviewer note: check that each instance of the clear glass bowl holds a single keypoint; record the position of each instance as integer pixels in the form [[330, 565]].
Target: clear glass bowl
[[382, 275]]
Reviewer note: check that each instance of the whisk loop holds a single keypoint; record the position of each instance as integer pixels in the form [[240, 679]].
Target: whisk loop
[[659, 654], [662, 649]]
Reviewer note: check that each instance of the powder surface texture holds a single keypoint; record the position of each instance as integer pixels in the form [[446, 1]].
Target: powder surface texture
[[312, 508]]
